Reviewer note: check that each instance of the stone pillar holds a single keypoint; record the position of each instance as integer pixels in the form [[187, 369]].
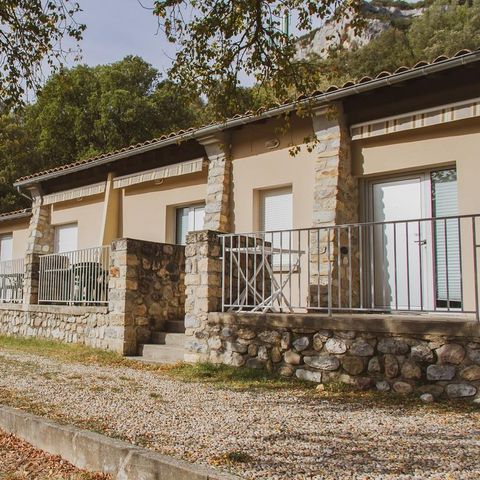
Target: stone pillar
[[146, 290], [336, 202], [121, 295], [219, 188], [203, 270], [40, 241]]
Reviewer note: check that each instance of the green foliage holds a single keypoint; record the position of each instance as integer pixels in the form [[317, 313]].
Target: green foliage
[[445, 28], [17, 157], [218, 40], [85, 111], [31, 33]]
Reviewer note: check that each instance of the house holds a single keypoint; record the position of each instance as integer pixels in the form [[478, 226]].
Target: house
[[375, 216]]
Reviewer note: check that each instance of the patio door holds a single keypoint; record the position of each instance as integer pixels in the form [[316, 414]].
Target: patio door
[[401, 244]]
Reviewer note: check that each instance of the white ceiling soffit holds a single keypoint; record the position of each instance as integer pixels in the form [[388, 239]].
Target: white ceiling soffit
[[174, 170], [74, 193]]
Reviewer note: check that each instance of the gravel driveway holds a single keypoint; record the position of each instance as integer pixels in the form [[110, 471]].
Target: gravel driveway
[[256, 434]]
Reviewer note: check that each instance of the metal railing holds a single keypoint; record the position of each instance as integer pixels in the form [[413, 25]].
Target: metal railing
[[79, 277], [419, 265], [12, 274]]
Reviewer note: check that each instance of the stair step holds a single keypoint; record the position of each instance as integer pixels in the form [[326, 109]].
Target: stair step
[[175, 326], [167, 338], [161, 353]]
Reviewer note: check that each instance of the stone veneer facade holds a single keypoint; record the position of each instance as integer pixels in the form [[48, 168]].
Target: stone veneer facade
[[91, 326], [40, 241], [203, 268], [387, 354], [219, 185], [146, 288]]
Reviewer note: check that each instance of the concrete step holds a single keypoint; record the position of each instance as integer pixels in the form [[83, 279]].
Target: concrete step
[[175, 326], [167, 338], [150, 352]]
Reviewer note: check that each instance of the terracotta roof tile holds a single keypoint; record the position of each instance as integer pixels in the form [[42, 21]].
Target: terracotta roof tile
[[261, 110], [15, 214]]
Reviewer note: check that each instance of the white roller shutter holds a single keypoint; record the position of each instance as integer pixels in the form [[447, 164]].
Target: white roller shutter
[[6, 247], [277, 210], [447, 238], [277, 214], [66, 238]]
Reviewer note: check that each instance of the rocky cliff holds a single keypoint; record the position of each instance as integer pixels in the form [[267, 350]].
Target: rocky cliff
[[379, 17]]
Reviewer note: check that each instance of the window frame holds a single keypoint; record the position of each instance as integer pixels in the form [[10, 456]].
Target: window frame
[[190, 207]]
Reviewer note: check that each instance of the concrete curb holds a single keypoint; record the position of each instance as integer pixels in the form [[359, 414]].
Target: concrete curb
[[98, 453]]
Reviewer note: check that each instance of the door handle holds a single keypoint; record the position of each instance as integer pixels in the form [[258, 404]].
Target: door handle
[[420, 242]]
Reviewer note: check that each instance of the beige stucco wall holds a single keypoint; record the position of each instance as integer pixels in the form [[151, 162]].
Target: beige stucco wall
[[87, 213], [257, 168], [148, 210], [448, 145], [19, 231]]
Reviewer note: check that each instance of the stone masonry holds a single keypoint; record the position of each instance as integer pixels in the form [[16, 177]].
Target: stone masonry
[[40, 241], [438, 364], [334, 252], [203, 268], [90, 326], [146, 288], [219, 188]]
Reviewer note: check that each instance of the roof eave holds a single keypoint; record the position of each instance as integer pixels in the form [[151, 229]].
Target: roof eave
[[15, 215], [317, 101]]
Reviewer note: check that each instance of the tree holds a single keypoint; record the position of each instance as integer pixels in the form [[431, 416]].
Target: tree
[[445, 28], [85, 111], [220, 39], [31, 33], [17, 157]]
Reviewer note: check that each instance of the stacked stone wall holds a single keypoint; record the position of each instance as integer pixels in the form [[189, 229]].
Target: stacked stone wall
[[90, 326], [439, 364], [147, 288]]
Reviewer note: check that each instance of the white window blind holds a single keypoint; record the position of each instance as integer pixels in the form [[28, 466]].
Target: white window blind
[[6, 247], [277, 214], [66, 238], [447, 238], [188, 219], [277, 211]]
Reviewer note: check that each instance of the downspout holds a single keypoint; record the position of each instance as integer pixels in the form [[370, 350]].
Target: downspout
[[19, 190]]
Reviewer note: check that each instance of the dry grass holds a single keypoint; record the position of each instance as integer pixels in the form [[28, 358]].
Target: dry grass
[[222, 376]]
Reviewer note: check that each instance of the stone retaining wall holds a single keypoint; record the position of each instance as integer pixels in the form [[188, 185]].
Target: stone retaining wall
[[146, 288], [90, 326], [392, 356]]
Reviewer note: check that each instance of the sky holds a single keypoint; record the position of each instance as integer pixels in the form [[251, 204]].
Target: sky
[[116, 28]]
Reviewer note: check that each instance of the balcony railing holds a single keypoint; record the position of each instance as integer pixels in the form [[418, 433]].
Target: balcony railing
[[12, 274], [420, 265], [79, 277]]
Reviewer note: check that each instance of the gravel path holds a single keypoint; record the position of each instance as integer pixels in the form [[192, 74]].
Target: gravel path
[[257, 434], [20, 461]]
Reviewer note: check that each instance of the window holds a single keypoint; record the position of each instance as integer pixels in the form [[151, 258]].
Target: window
[[277, 214], [6, 247], [188, 219], [66, 238]]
